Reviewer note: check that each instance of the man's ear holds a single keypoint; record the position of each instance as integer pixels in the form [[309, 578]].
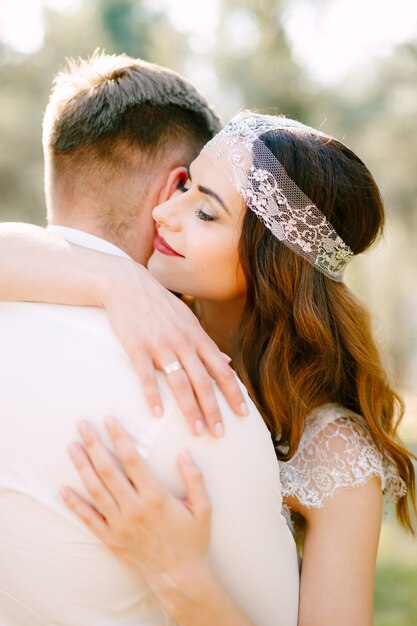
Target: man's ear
[[176, 177]]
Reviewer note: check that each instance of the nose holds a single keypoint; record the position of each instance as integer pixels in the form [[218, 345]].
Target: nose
[[168, 214]]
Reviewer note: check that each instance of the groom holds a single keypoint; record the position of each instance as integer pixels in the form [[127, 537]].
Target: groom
[[117, 135]]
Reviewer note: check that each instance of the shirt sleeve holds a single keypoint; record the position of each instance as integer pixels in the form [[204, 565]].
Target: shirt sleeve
[[337, 454]]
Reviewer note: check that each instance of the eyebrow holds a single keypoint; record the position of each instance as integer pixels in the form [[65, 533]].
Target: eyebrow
[[211, 193]]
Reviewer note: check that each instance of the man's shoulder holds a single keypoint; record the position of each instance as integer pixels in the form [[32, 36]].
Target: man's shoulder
[[53, 318], [242, 436], [47, 342], [253, 420], [36, 309]]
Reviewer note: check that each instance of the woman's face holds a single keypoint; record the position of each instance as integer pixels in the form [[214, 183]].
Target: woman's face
[[196, 248]]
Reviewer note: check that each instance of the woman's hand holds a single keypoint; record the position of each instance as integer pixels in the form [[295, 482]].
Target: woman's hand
[[157, 329], [154, 326], [164, 539]]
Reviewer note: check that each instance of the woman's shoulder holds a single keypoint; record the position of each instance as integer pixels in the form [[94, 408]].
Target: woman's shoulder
[[336, 451], [329, 418]]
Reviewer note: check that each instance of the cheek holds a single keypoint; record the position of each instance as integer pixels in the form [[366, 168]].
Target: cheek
[[216, 267], [211, 268]]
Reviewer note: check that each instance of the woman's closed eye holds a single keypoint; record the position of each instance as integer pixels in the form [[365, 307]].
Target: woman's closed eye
[[184, 186], [202, 215]]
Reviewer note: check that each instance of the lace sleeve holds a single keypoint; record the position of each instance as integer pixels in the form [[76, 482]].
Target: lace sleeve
[[336, 452]]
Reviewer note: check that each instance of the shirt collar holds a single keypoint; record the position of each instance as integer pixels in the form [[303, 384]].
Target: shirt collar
[[86, 240]]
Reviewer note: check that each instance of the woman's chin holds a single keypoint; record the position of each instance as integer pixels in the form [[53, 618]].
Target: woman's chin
[[151, 261], [154, 266]]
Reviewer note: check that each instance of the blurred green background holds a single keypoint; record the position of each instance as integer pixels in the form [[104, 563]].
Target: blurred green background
[[347, 66]]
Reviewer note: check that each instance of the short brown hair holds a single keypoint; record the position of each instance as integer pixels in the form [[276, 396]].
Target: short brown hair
[[111, 116]]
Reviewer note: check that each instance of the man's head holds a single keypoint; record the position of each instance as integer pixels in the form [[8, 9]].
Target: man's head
[[116, 132]]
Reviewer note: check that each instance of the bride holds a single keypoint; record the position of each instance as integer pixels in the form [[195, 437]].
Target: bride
[[258, 238]]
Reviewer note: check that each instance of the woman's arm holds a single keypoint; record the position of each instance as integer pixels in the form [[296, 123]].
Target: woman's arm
[[339, 556], [153, 325], [38, 266], [162, 538]]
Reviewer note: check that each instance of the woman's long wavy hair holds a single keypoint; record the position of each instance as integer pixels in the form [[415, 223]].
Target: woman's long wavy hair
[[303, 339]]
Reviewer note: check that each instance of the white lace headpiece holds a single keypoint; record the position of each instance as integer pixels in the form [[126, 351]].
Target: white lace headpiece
[[271, 194]]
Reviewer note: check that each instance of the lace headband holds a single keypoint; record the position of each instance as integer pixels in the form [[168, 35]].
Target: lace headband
[[270, 193]]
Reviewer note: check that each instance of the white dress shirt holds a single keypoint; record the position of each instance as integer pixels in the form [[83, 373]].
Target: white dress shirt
[[59, 364]]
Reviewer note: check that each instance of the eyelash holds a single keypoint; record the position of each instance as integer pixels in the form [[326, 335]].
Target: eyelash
[[205, 217]]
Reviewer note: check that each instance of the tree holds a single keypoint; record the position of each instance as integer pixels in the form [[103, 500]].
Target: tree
[[125, 26], [254, 60]]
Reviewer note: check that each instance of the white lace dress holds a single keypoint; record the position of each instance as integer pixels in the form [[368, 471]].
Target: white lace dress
[[336, 451]]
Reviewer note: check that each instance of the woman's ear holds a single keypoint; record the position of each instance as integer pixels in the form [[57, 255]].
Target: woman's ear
[[176, 177]]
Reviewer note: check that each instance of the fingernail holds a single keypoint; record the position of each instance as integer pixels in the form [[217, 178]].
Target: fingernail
[[74, 449], [199, 427], [187, 457], [111, 424], [244, 409], [226, 357], [157, 410], [219, 429], [83, 427], [65, 493]]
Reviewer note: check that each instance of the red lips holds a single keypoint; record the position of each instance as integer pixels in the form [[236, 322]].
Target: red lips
[[162, 246]]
